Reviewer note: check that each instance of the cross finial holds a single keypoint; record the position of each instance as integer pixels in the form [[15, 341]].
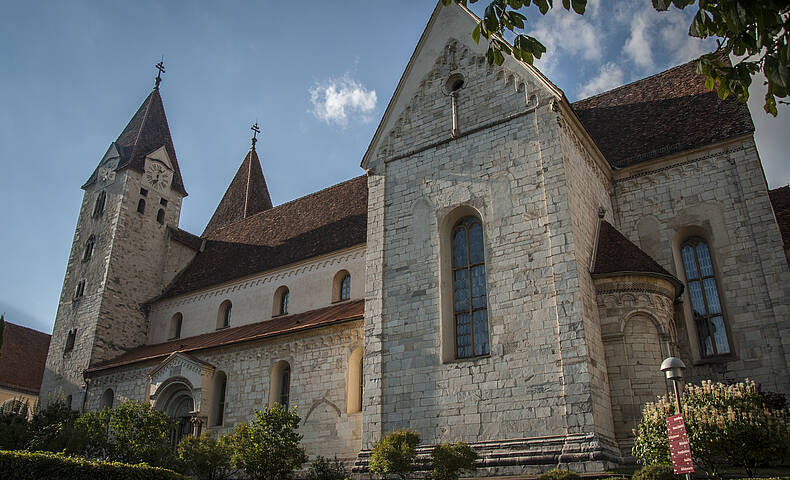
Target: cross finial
[[161, 67], [255, 132]]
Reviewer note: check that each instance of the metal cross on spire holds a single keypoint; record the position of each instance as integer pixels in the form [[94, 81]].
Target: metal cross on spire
[[255, 132], [161, 67]]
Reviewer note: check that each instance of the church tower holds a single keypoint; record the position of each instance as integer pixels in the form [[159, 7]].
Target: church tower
[[120, 244]]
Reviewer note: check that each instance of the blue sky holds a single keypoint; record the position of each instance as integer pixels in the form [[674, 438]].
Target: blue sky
[[316, 75]]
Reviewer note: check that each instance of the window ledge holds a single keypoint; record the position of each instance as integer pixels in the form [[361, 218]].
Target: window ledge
[[223, 327], [468, 359], [340, 301], [718, 359]]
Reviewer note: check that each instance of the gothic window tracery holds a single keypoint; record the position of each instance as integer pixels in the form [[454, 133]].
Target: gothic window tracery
[[705, 300], [470, 307]]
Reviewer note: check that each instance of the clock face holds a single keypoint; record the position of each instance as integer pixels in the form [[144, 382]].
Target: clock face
[[107, 171], [158, 176]]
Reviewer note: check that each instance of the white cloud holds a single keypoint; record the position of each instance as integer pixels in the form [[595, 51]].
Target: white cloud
[[339, 100], [674, 35], [564, 31], [638, 47], [610, 76]]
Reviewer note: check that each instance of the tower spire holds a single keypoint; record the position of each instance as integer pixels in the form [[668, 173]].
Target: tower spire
[[161, 67], [255, 132]]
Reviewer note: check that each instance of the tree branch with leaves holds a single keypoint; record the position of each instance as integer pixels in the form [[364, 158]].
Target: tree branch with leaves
[[756, 33]]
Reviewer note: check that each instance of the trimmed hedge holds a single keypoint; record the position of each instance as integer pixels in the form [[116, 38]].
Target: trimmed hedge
[[21, 465]]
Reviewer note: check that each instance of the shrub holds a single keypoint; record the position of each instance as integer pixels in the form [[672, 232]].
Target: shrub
[[325, 469], [726, 425], [654, 472], [267, 447], [206, 457], [395, 453], [14, 432], [52, 428], [451, 459], [557, 474], [35, 466]]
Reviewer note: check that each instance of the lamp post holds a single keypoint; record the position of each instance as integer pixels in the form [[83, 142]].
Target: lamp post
[[673, 369]]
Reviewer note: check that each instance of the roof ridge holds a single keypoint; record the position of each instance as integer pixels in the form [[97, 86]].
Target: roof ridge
[[607, 92], [7, 323], [223, 227]]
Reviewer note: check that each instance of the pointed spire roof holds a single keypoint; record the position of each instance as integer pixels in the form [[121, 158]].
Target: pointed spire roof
[[146, 132], [246, 195]]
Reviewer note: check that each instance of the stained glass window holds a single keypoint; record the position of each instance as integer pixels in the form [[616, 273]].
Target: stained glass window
[[470, 306], [704, 294]]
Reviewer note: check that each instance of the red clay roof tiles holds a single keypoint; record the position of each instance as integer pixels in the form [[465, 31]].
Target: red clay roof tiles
[[668, 112], [23, 356], [321, 317], [246, 195], [320, 223]]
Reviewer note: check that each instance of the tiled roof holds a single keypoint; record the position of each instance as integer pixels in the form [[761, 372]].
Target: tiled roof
[[23, 356], [246, 195], [320, 223], [185, 238], [780, 199], [297, 322], [146, 132], [616, 254], [668, 112]]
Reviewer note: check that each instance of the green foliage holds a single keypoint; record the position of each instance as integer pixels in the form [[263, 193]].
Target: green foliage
[[654, 472], [395, 453], [727, 425], [206, 457], [14, 432], [758, 32], [451, 459], [325, 469], [557, 474], [35, 466], [267, 447], [52, 428], [139, 433]]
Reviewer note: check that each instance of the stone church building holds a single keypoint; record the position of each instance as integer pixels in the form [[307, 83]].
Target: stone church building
[[509, 270]]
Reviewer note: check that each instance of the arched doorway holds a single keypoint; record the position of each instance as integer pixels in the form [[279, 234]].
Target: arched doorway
[[177, 402]]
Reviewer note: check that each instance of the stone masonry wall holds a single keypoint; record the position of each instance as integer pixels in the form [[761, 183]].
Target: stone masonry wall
[[319, 372], [135, 274], [638, 331], [589, 186], [536, 381], [63, 372], [721, 195]]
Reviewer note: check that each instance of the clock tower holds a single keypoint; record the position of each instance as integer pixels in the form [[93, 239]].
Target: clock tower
[[132, 201]]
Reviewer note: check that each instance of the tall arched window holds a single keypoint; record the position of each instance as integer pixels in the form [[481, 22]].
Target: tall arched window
[[107, 399], [98, 207], [220, 391], [280, 384], [175, 325], [704, 294], [223, 317], [345, 287], [281, 298], [470, 307]]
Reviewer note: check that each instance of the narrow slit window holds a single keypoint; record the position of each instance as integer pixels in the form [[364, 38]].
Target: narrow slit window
[[89, 245], [70, 339], [345, 287], [160, 216], [98, 207], [285, 387], [705, 301], [141, 206]]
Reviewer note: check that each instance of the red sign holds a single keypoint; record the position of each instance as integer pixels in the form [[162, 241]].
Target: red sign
[[679, 446]]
